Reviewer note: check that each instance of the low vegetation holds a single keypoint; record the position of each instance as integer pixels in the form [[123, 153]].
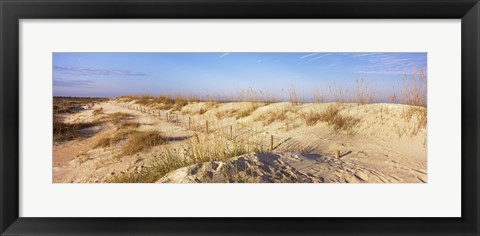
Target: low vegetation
[[196, 150], [116, 117], [97, 111], [134, 141], [63, 131], [414, 94], [112, 140], [140, 141], [311, 118], [207, 106], [160, 102], [247, 112], [272, 116], [69, 131], [333, 118], [73, 104], [129, 125], [420, 116], [226, 113]]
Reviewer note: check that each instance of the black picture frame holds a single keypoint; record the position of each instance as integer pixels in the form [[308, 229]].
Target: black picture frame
[[12, 11]]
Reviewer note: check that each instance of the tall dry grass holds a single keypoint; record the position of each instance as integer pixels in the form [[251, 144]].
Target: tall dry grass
[[68, 104], [273, 116], [333, 118], [198, 149], [139, 141], [415, 95], [69, 131], [414, 91], [134, 141]]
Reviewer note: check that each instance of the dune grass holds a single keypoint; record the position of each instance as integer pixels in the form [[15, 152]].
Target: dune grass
[[272, 116], [414, 94], [241, 113], [226, 114], [66, 131], [420, 116], [333, 118], [111, 140], [97, 111], [123, 131], [140, 141], [160, 102], [128, 125], [311, 118], [196, 150], [69, 131], [68, 104], [206, 106], [115, 117], [135, 141]]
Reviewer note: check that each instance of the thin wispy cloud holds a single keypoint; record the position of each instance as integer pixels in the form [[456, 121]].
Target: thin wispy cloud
[[308, 55], [388, 63], [380, 72], [91, 71], [366, 54], [318, 57], [224, 55], [73, 83]]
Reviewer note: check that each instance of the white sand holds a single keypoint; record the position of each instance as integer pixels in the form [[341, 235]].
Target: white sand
[[380, 148]]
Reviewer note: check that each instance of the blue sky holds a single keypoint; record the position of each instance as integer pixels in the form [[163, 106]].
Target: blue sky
[[118, 74]]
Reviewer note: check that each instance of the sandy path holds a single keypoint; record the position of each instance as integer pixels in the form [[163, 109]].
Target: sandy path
[[66, 152], [70, 156]]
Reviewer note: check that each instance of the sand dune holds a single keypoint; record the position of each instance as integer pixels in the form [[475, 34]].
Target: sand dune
[[377, 143], [283, 167]]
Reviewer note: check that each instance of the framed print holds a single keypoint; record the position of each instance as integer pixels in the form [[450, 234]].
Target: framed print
[[209, 131], [225, 117]]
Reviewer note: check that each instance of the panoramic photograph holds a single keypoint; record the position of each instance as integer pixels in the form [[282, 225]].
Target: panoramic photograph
[[239, 117]]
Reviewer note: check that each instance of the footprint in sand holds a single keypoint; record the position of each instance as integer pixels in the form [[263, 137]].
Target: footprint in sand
[[352, 179], [422, 178], [393, 177], [420, 171], [362, 175]]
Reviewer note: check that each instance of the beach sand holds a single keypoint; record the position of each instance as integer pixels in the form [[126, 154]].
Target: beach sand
[[380, 143]]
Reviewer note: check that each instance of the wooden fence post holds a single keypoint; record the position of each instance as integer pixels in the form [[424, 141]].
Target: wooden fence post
[[271, 143], [206, 126], [337, 153], [231, 132], [189, 123]]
